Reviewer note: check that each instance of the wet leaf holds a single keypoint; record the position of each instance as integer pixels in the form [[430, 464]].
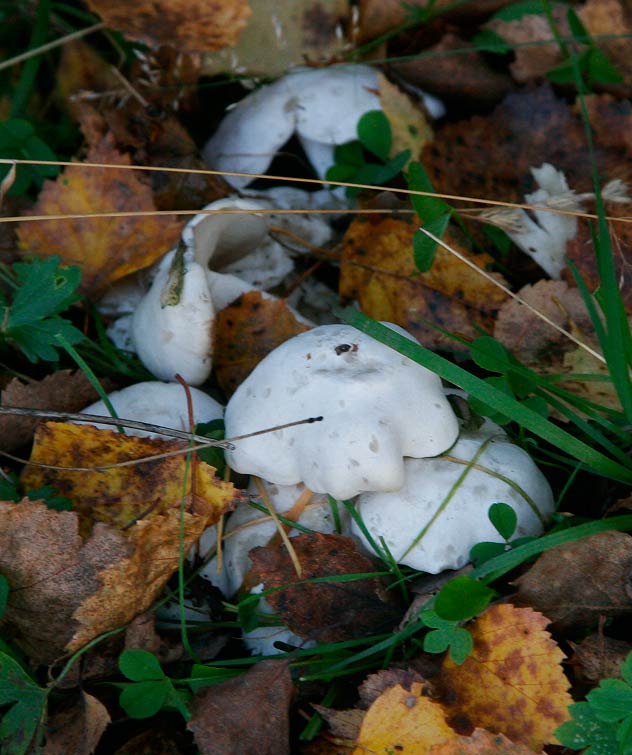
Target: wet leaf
[[512, 683], [245, 332], [327, 611], [576, 583], [106, 249], [265, 693]]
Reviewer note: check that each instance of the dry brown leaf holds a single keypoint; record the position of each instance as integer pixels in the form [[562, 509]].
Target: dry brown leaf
[[577, 583], [402, 720], [379, 271], [154, 741], [63, 391], [376, 684], [245, 332], [202, 25], [599, 657], [246, 715], [343, 724], [76, 729], [466, 77], [328, 611], [106, 249], [481, 742], [125, 494], [512, 682]]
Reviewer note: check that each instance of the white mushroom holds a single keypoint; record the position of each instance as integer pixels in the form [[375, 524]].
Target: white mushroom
[[377, 407], [441, 511], [156, 403]]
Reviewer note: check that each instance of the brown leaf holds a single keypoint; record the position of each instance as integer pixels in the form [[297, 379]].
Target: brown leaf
[[331, 611], [576, 583], [481, 742], [185, 24], [245, 715], [375, 684], [343, 724], [245, 332], [106, 249], [490, 156], [379, 271], [512, 683], [600, 657], [155, 741], [63, 391], [76, 729], [466, 77]]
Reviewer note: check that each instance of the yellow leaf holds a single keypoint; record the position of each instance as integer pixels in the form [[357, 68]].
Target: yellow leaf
[[482, 742], [402, 721], [513, 681]]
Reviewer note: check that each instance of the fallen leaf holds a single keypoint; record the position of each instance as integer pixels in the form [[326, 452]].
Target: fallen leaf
[[481, 742], [402, 720], [378, 269], [512, 682], [63, 391], [106, 249], [328, 611], [577, 583], [343, 724], [279, 36], [154, 741], [122, 495], [263, 695], [466, 77], [376, 684], [76, 729], [410, 127], [245, 332], [186, 24], [599, 657]]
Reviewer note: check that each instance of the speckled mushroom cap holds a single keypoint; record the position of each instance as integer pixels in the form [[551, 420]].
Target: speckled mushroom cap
[[377, 407]]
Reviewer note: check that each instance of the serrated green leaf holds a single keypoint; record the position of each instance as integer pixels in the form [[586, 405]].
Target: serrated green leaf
[[140, 666], [612, 700], [145, 699], [462, 598], [504, 519], [20, 723], [5, 589], [586, 730], [424, 247], [624, 736], [374, 133], [44, 289]]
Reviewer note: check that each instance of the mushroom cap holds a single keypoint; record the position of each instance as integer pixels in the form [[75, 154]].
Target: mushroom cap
[[509, 476], [377, 407], [176, 338], [158, 403], [321, 105]]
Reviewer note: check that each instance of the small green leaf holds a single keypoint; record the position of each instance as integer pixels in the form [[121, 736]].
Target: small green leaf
[[601, 70], [140, 666], [436, 641], [145, 699], [374, 133], [428, 208], [490, 41], [446, 634], [21, 722], [578, 30], [350, 153], [490, 354], [247, 611], [5, 589], [624, 736], [515, 11], [424, 247], [586, 730], [612, 700], [462, 598], [482, 552], [504, 519]]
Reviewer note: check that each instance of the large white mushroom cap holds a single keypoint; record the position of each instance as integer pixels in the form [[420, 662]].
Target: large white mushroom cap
[[377, 407], [432, 523]]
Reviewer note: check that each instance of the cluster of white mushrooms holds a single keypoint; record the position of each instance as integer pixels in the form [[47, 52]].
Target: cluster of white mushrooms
[[388, 441]]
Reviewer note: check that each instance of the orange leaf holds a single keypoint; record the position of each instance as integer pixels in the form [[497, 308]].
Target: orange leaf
[[121, 495], [512, 682], [106, 249], [403, 721]]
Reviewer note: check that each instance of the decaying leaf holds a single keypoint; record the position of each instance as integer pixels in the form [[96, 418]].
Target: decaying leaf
[[262, 696], [155, 741], [481, 742], [106, 249], [247, 330], [329, 611], [576, 583], [77, 728], [186, 24], [123, 495], [63, 391], [512, 682], [600, 657], [409, 126], [379, 271], [402, 720], [279, 36]]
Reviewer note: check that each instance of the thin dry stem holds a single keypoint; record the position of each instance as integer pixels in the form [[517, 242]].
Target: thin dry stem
[[281, 530]]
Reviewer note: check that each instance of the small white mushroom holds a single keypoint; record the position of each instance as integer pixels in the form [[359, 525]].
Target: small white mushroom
[[377, 407], [156, 403], [440, 512]]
